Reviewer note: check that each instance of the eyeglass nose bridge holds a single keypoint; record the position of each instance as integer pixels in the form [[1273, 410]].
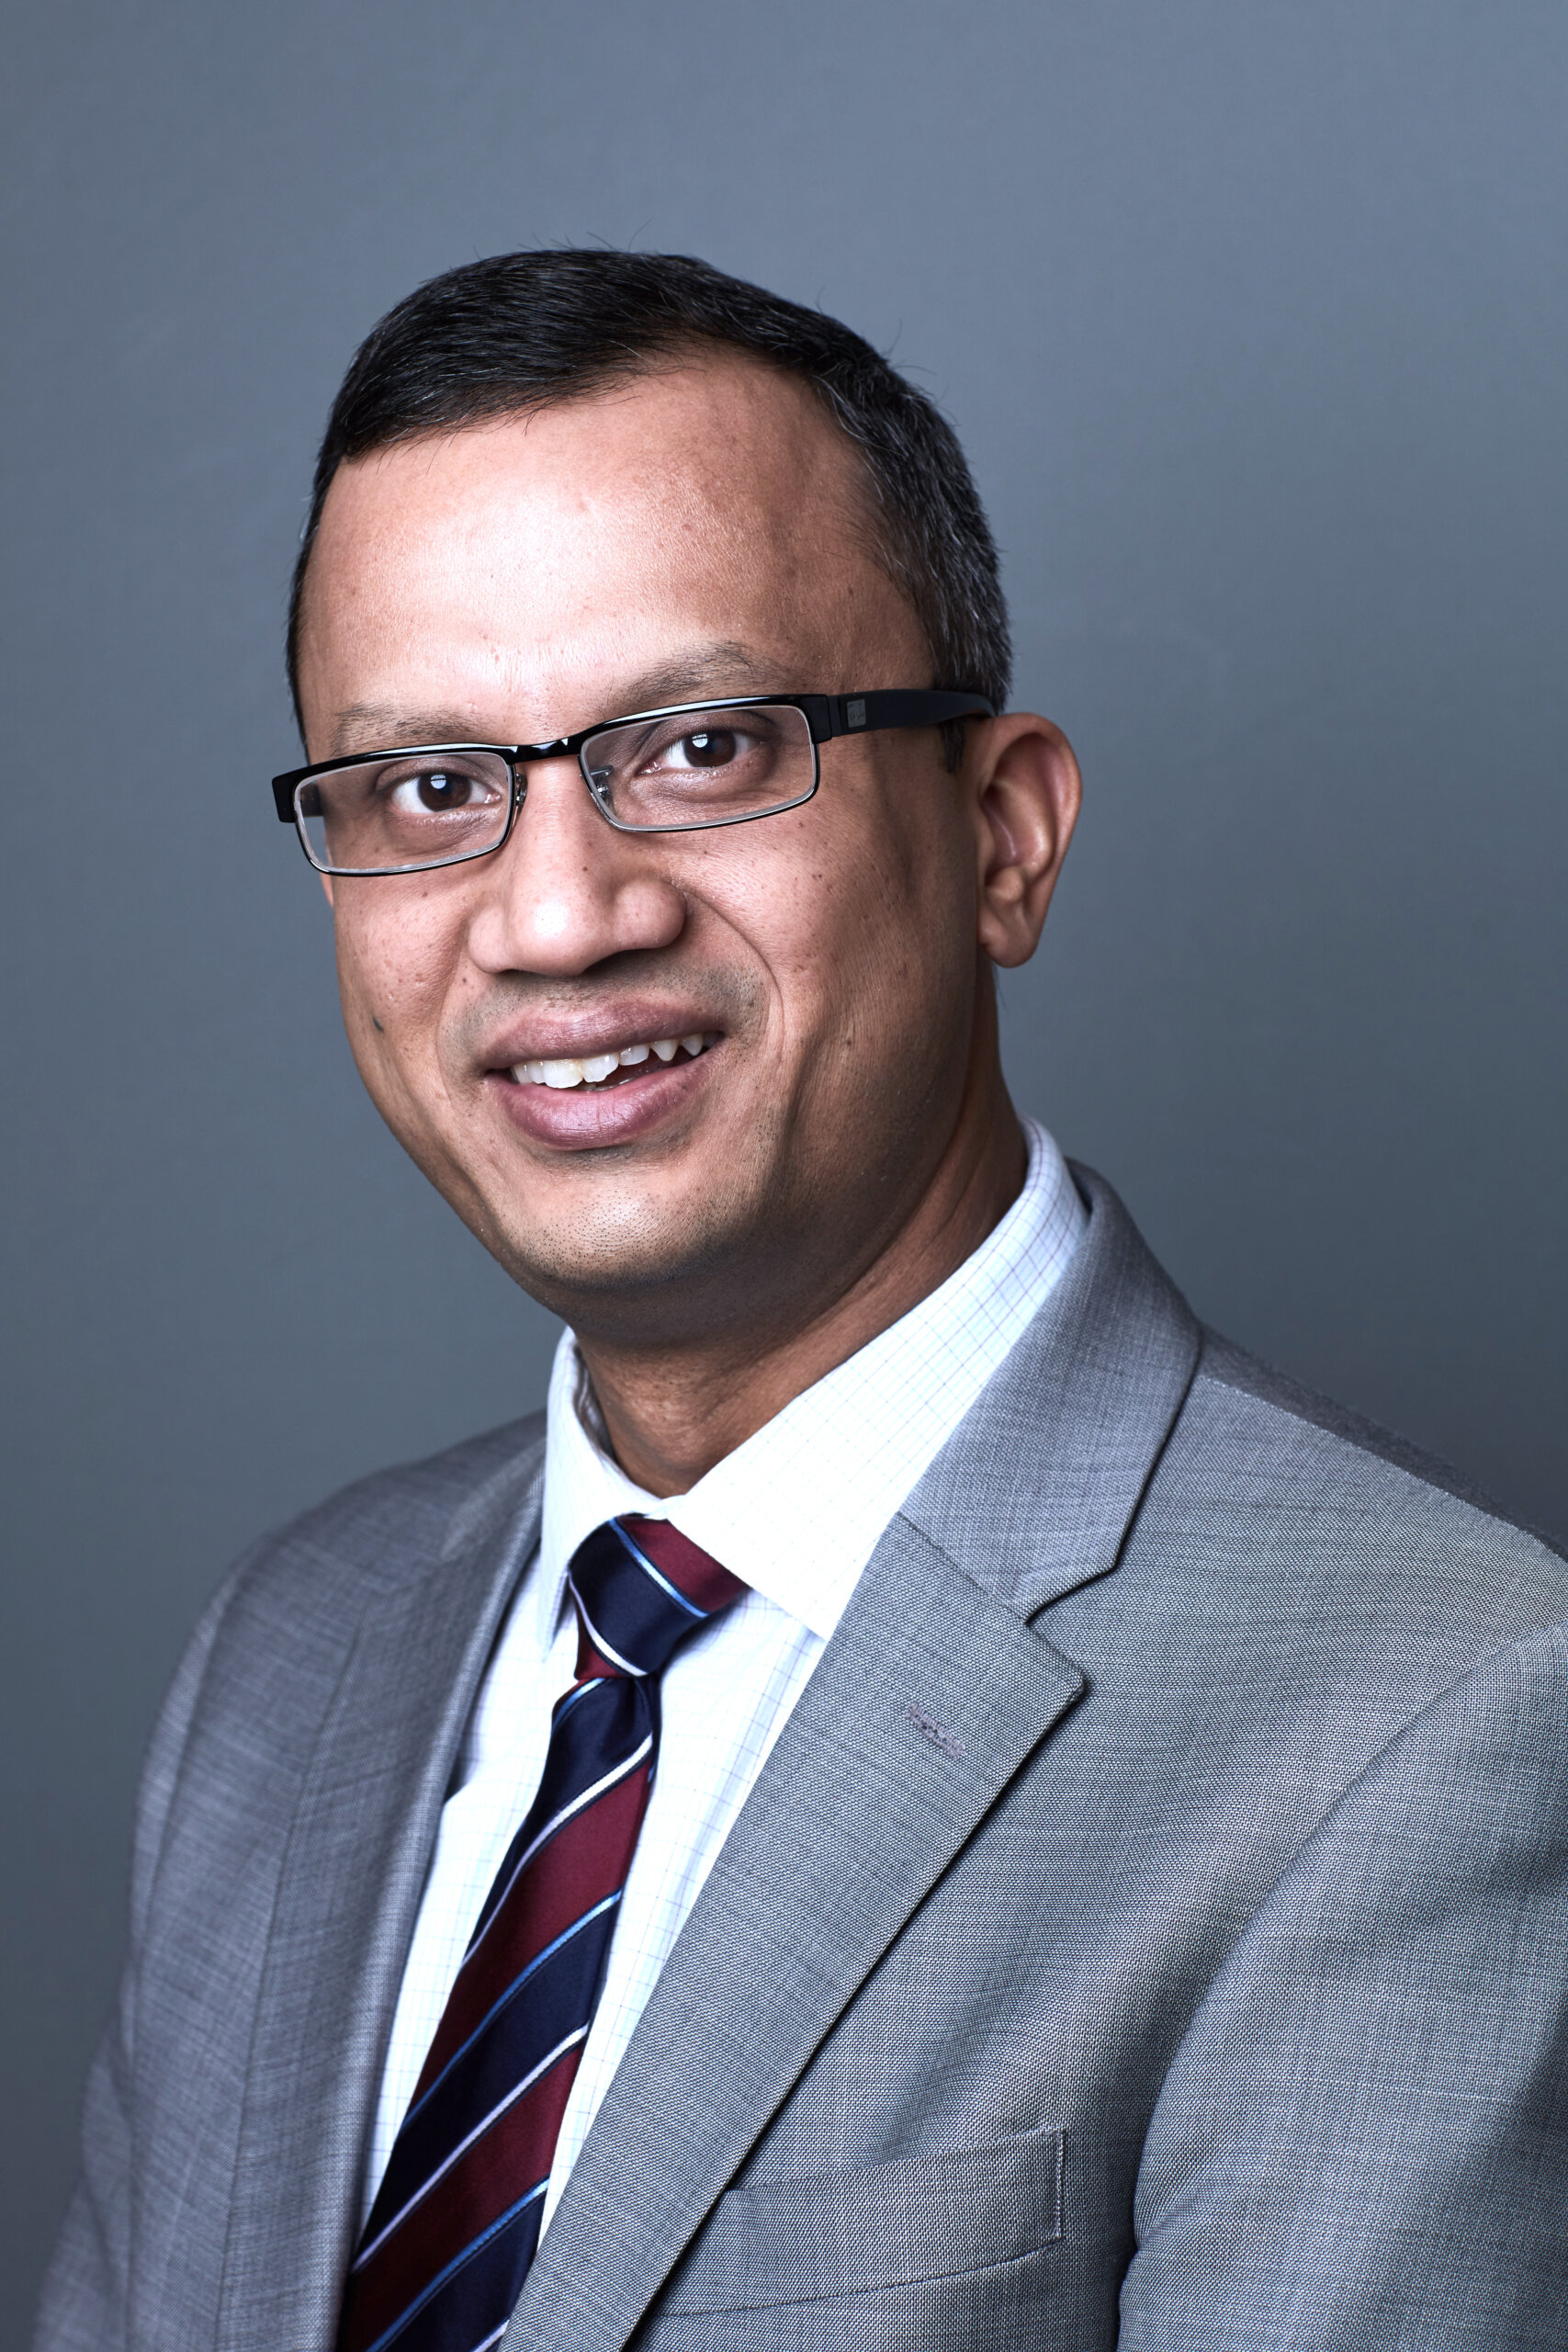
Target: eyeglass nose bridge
[[560, 747]]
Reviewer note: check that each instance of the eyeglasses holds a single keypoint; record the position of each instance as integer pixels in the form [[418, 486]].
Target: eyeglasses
[[679, 770]]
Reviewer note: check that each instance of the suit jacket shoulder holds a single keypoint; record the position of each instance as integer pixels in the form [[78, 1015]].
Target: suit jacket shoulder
[[284, 1621], [1232, 1367], [289, 1807], [387, 1526], [1309, 1510]]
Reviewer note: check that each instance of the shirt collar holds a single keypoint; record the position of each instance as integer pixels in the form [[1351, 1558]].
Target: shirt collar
[[798, 1510]]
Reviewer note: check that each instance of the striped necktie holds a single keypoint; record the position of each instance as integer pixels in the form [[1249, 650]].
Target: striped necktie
[[456, 2220]]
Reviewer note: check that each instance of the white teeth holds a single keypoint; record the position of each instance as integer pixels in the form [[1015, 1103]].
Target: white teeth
[[593, 1070]]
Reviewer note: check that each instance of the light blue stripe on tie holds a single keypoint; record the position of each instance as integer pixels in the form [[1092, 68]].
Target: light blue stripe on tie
[[573, 1698], [515, 1986], [453, 2268], [551, 2059], [640, 1557], [567, 1813]]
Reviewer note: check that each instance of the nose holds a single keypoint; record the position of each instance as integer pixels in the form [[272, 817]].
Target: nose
[[567, 890]]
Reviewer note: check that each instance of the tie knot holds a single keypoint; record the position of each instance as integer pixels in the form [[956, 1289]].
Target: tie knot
[[641, 1588]]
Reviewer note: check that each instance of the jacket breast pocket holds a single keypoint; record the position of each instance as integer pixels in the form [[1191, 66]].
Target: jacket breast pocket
[[901, 2225]]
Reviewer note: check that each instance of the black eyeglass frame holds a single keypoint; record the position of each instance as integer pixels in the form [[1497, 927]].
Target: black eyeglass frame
[[826, 716]]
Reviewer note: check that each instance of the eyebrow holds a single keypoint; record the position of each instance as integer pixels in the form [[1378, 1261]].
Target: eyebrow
[[698, 673]]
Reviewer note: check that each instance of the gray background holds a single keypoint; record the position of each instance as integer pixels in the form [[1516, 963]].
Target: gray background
[[1252, 318]]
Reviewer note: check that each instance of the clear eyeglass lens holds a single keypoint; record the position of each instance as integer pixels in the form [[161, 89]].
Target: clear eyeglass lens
[[703, 767], [411, 809]]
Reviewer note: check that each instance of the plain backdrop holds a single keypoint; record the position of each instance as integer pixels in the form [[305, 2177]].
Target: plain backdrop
[[1251, 315]]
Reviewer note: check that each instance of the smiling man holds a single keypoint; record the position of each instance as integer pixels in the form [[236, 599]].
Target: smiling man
[[926, 1800], [724, 1094]]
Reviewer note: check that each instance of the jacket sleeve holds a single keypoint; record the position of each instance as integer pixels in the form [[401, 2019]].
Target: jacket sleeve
[[85, 2301], [1363, 2137]]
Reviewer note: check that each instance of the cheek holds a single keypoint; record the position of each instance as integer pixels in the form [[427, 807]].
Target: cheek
[[867, 937], [393, 967]]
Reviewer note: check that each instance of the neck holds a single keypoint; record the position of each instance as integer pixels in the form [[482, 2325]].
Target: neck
[[670, 1415]]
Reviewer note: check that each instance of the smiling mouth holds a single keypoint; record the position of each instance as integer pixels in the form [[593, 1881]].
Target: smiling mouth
[[612, 1068]]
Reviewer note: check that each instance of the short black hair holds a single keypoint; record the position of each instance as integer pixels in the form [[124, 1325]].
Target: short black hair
[[520, 330]]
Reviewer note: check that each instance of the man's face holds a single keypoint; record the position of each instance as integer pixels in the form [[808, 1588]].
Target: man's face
[[694, 534]]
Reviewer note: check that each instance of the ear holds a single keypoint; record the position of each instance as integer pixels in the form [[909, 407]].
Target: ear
[[1027, 789], [326, 882]]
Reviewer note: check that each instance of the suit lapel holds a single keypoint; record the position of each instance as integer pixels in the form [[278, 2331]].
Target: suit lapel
[[347, 1899], [1034, 1492], [924, 1705], [930, 1697]]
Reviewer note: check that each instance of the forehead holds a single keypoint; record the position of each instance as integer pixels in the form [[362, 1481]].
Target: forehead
[[534, 560]]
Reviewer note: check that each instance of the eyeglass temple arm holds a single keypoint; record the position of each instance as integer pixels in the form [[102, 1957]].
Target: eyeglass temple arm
[[831, 714]]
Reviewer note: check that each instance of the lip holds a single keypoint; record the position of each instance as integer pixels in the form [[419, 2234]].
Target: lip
[[588, 1118], [563, 1039]]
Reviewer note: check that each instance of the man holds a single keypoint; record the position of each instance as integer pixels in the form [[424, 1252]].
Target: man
[[928, 1800]]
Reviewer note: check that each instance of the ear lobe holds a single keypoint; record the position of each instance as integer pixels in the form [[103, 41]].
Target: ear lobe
[[1027, 793], [326, 882]]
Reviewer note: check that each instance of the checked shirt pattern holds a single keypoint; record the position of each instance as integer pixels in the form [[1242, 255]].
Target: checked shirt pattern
[[453, 2230]]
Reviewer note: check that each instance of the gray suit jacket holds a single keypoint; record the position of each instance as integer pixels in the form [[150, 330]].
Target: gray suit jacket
[[1151, 1928]]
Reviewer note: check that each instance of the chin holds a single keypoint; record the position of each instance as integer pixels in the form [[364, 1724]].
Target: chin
[[641, 1268]]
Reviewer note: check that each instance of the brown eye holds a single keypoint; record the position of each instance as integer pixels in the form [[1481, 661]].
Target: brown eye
[[714, 748], [437, 790], [406, 809], [450, 790], [703, 766]]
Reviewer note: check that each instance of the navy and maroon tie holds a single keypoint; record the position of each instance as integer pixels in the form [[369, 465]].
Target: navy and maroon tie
[[456, 2220]]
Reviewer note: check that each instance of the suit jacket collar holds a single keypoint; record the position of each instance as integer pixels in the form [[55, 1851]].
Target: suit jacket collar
[[347, 1899], [1034, 1493], [932, 1694]]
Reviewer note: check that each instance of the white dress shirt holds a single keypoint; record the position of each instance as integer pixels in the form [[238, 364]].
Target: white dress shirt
[[795, 1513]]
